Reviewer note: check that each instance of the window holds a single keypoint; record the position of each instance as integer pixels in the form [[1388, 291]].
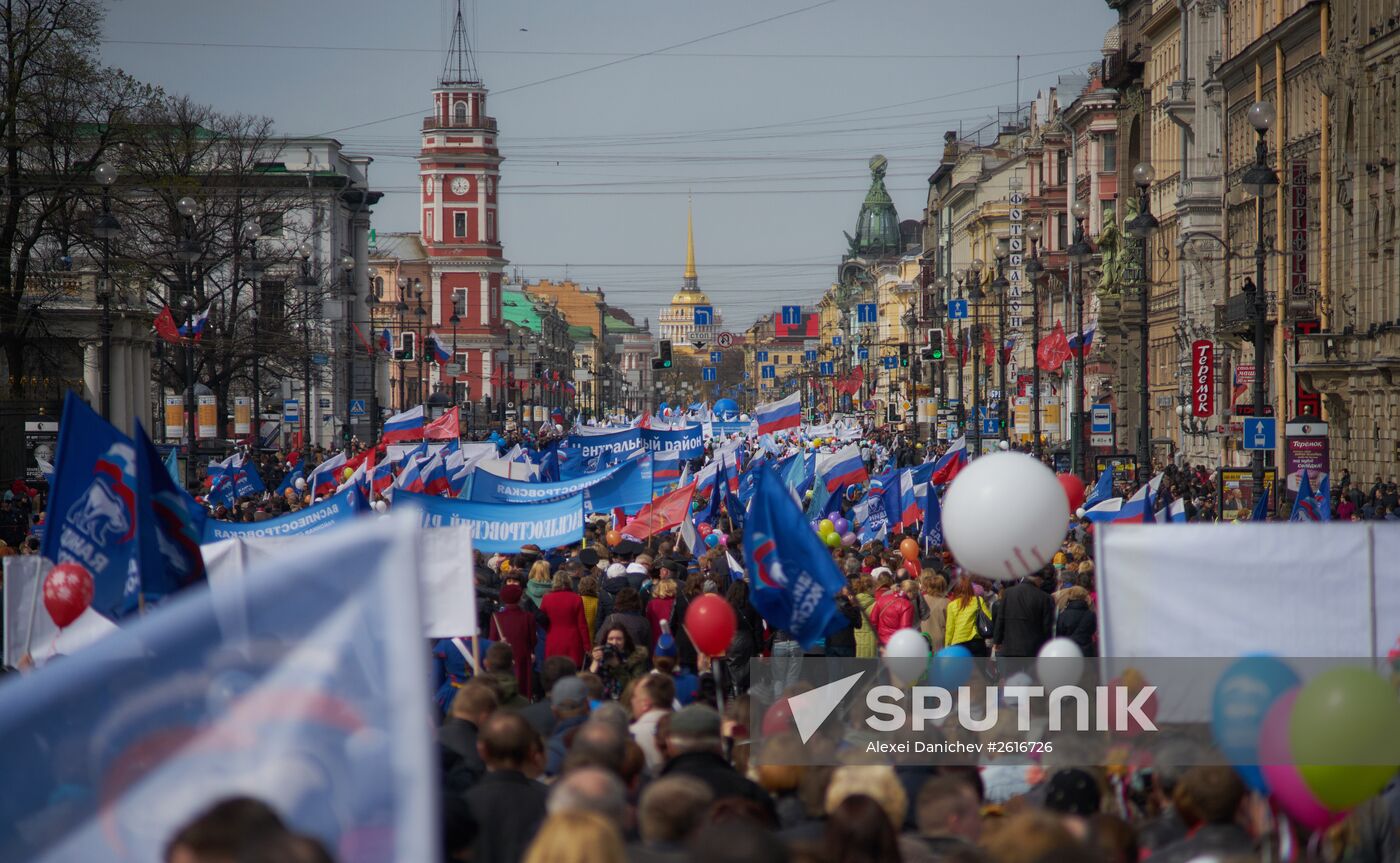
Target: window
[[490, 227], [459, 113], [270, 224], [1061, 231], [459, 224], [1061, 167], [1108, 142], [272, 306]]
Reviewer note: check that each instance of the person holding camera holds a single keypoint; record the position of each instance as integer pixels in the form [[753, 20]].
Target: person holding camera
[[618, 660]]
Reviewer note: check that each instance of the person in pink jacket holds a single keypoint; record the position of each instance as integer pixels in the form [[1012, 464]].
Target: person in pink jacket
[[892, 610]]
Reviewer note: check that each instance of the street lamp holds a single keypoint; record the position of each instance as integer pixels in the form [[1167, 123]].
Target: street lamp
[[1141, 228], [106, 228], [960, 276], [371, 301], [1259, 180], [1033, 272], [1079, 253], [421, 314], [401, 311], [911, 320], [253, 269], [347, 266], [304, 251], [976, 294], [1002, 287], [188, 305]]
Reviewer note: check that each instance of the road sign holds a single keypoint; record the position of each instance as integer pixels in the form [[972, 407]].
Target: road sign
[[357, 408], [862, 353], [763, 356], [709, 373], [291, 410], [725, 340], [320, 359], [809, 356], [957, 310], [704, 316], [1259, 432], [1101, 421], [1101, 440], [989, 427], [836, 341], [716, 357], [827, 368]]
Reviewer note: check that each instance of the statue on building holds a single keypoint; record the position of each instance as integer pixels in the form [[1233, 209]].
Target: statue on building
[[1115, 252]]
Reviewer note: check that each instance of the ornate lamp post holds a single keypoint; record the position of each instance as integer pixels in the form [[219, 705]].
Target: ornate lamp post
[[1260, 180], [976, 295], [106, 228], [1141, 228], [347, 266], [188, 252], [1001, 287], [371, 301], [401, 310], [307, 282], [960, 276], [1079, 254], [420, 314], [1033, 273], [253, 270]]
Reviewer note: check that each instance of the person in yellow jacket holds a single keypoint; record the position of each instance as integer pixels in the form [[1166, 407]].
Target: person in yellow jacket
[[867, 645], [961, 627]]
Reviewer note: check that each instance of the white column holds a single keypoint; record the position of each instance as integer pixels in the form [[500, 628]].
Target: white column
[[481, 207]]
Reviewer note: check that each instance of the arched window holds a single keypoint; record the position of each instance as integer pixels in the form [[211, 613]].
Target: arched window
[[459, 113]]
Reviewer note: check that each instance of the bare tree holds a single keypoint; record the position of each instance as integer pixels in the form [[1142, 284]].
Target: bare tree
[[61, 113]]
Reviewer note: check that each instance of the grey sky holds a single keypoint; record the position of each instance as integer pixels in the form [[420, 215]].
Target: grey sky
[[598, 164]]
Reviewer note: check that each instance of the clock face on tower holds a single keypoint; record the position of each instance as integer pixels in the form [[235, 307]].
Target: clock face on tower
[[460, 186]]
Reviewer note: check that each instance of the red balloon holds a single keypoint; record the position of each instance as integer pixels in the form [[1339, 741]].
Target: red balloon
[[910, 549], [67, 593], [778, 717], [711, 623], [1074, 490], [613, 537], [704, 529]]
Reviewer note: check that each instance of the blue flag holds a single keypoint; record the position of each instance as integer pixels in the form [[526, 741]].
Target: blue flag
[[735, 507], [932, 532], [171, 537], [1310, 505], [95, 506], [172, 463], [289, 481], [794, 579], [1102, 490], [1261, 507], [306, 688]]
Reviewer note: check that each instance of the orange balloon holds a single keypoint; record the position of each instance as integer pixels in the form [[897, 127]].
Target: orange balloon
[[910, 549], [614, 537]]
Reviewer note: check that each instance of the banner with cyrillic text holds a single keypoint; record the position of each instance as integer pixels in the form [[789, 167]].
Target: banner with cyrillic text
[[314, 519], [489, 488], [689, 441], [503, 527]]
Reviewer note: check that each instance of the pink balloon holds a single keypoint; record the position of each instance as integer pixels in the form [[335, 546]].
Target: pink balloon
[[1286, 785]]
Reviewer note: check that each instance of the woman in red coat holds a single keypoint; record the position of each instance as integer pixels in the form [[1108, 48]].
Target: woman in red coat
[[566, 626], [662, 603], [516, 626]]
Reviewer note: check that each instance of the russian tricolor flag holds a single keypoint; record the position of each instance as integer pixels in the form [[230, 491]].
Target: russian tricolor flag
[[434, 476], [386, 343], [666, 467], [952, 461], [441, 355], [782, 414], [194, 328], [407, 425], [1082, 341], [845, 468], [382, 476], [323, 479]]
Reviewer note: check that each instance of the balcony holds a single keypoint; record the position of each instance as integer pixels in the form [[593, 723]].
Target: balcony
[[1236, 316], [482, 124], [1180, 104]]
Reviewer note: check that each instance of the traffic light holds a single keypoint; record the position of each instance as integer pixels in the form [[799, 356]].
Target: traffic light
[[663, 359], [904, 356], [934, 351], [539, 370], [407, 343]]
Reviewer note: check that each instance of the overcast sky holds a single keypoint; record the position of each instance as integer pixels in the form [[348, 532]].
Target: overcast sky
[[770, 125]]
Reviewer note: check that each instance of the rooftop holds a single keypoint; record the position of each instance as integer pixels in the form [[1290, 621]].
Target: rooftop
[[517, 308]]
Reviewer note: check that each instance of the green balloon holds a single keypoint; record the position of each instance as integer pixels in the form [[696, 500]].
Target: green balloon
[[832, 539], [1344, 734]]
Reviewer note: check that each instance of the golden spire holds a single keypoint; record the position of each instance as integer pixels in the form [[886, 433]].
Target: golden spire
[[690, 274]]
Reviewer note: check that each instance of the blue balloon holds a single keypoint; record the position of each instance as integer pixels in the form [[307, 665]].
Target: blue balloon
[[1243, 695], [950, 667], [712, 540]]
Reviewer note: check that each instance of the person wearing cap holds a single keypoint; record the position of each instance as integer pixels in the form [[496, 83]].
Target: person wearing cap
[[638, 574], [514, 626], [695, 748], [614, 580], [568, 700]]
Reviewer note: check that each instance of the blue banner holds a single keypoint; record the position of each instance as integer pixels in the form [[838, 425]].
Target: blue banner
[[689, 441], [720, 428], [629, 486], [327, 514], [503, 527], [486, 487], [619, 442]]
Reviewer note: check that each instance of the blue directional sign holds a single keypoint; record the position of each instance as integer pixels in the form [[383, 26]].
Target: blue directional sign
[[792, 315], [836, 340], [291, 411], [889, 362], [828, 368], [704, 316], [866, 313], [357, 407], [763, 356], [810, 356], [716, 357], [770, 371], [1259, 432], [862, 353], [709, 373], [957, 310], [989, 427]]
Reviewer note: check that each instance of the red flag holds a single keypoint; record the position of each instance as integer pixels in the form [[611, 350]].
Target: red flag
[[1054, 350], [444, 427], [165, 326], [989, 350], [663, 513], [850, 385], [364, 341]]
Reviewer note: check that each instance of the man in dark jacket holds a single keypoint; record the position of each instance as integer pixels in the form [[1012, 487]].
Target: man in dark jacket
[[1208, 799], [509, 805], [1024, 619], [462, 766], [696, 748], [842, 642]]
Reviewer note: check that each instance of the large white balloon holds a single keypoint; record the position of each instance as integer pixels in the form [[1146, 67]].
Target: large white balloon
[[906, 654], [1060, 663], [1005, 515]]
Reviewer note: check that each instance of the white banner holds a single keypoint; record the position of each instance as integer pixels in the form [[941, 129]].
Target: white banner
[[28, 627]]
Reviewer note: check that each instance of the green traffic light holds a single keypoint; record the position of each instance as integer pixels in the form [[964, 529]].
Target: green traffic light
[[937, 354]]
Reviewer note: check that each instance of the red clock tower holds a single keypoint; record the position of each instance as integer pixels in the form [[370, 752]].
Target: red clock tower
[[459, 174]]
